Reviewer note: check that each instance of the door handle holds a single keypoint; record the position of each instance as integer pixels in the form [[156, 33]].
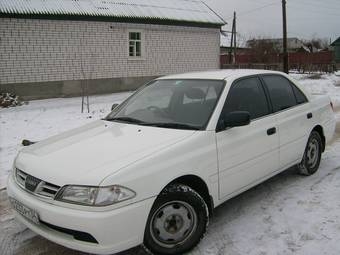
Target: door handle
[[271, 131], [309, 115]]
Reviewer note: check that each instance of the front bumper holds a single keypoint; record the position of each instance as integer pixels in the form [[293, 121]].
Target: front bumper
[[115, 230]]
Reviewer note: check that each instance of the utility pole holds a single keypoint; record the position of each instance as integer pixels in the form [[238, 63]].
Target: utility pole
[[232, 51], [285, 52], [231, 45], [235, 38]]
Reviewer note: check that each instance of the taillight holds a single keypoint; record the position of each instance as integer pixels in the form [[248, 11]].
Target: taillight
[[332, 106]]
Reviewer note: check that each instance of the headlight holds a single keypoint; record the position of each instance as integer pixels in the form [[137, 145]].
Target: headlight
[[95, 196]]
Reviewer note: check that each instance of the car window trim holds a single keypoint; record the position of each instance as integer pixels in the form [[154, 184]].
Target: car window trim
[[266, 85], [294, 86], [269, 101], [224, 82], [217, 100], [233, 85], [122, 104], [291, 84], [204, 127]]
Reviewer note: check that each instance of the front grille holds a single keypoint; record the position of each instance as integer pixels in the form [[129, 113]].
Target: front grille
[[31, 183], [35, 185]]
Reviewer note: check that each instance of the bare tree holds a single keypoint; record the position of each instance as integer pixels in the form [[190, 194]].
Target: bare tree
[[316, 43], [262, 49], [87, 67]]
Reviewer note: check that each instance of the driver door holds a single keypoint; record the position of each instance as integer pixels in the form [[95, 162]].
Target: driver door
[[249, 153]]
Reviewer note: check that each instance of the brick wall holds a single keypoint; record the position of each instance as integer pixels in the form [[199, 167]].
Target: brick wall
[[33, 50]]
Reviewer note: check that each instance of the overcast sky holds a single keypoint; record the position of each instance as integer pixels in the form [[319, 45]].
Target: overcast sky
[[306, 18]]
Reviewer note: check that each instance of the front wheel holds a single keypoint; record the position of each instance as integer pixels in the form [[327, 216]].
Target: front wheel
[[177, 221], [312, 155]]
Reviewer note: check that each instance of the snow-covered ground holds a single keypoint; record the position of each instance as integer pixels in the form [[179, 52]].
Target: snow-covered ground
[[288, 214], [43, 118], [328, 84]]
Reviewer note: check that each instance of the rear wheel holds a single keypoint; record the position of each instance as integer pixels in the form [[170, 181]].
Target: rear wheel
[[177, 221], [312, 155]]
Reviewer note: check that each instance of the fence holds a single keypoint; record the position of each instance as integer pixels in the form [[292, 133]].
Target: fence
[[299, 61]]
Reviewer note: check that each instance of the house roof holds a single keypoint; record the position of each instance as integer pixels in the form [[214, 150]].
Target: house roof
[[336, 42], [157, 10], [275, 40]]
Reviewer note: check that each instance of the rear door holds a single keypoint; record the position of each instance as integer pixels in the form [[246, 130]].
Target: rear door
[[291, 107], [249, 153]]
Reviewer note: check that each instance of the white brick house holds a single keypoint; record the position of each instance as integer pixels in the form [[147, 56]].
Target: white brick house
[[47, 50]]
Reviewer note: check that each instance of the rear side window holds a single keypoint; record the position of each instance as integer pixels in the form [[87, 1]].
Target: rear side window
[[300, 97], [280, 91], [247, 95]]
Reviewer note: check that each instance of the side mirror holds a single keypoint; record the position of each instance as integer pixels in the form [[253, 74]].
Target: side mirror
[[236, 119], [114, 106]]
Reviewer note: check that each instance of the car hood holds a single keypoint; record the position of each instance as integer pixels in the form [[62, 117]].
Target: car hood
[[88, 154]]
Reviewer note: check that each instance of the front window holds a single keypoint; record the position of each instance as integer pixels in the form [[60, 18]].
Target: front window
[[135, 44], [247, 95], [182, 104]]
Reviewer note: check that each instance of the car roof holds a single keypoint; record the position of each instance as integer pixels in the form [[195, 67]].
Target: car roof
[[218, 74]]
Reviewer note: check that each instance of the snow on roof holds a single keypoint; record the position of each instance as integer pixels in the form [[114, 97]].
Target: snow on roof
[[336, 42], [305, 48], [177, 10]]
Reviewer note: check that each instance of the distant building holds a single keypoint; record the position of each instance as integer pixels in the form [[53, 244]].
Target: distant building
[[48, 47], [336, 46], [293, 44], [241, 45]]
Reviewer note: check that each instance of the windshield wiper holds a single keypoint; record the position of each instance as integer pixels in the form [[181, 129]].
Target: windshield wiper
[[157, 124], [172, 125], [126, 119]]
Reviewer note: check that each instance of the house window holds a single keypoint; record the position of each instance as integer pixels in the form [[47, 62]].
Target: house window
[[135, 44]]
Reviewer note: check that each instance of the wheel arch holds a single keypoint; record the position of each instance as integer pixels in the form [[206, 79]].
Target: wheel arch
[[197, 184], [319, 129]]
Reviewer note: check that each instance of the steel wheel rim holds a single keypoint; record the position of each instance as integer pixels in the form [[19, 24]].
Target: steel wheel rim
[[173, 224], [312, 153]]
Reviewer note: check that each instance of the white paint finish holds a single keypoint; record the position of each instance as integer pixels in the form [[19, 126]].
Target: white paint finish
[[106, 227], [115, 144], [225, 74], [294, 129], [246, 154], [241, 157], [196, 155]]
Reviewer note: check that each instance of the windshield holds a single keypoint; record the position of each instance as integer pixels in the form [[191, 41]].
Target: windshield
[[182, 104]]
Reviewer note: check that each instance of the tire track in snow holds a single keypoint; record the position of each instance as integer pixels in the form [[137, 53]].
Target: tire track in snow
[[330, 174]]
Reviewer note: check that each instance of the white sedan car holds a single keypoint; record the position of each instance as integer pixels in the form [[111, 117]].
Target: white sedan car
[[153, 170]]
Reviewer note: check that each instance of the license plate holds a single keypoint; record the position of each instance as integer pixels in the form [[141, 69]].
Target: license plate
[[28, 213]]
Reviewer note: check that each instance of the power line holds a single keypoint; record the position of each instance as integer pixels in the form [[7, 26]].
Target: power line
[[309, 11], [254, 9], [258, 8], [312, 18], [318, 1], [259, 2], [308, 4]]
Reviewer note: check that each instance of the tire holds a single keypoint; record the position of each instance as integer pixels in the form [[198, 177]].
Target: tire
[[177, 221], [312, 155]]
